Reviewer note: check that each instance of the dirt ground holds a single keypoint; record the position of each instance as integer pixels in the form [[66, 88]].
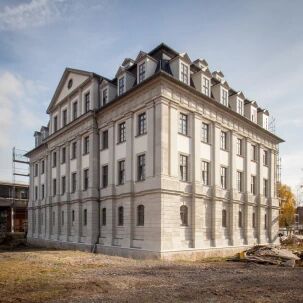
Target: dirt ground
[[68, 276]]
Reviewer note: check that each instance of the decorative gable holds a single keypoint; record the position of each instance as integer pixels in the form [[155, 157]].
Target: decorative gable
[[69, 82]]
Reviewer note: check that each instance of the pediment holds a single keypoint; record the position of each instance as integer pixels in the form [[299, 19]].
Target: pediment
[[185, 57], [140, 56], [241, 95], [70, 80]]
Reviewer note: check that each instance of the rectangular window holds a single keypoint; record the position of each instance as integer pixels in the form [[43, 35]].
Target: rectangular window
[[54, 187], [104, 176], [55, 123], [205, 173], [205, 132], [54, 159], [74, 182], [239, 147], [142, 124], [223, 177], [265, 188], [42, 191], [63, 155], [85, 179], [62, 217], [141, 72], [74, 150], [121, 132], [36, 193], [104, 96], [86, 102], [224, 97], [75, 110], [141, 168], [254, 153], [183, 124], [205, 86], [86, 145], [240, 181], [121, 86], [42, 167], [105, 139], [64, 117], [103, 216], [36, 170], [184, 73], [254, 220], [253, 185], [265, 157], [63, 185], [121, 172], [223, 140], [183, 163], [85, 217], [240, 107], [73, 216], [54, 218]]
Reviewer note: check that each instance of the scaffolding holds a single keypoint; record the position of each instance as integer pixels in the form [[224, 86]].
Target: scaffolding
[[20, 174]]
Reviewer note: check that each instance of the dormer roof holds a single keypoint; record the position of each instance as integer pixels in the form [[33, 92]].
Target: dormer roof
[[184, 57], [218, 75], [140, 56], [205, 71], [253, 103], [240, 95], [127, 62], [264, 111], [202, 63], [121, 71]]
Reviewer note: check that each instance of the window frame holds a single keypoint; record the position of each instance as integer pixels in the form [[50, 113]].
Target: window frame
[[122, 132], [73, 182], [120, 216], [240, 147], [141, 72], [184, 77], [223, 140], [121, 172], [141, 124], [104, 146], [205, 86], [86, 102], [86, 145], [85, 179], [104, 216], [223, 177], [183, 124], [183, 168], [75, 110], [205, 173], [184, 215], [224, 218], [121, 88], [141, 167], [104, 96], [240, 180], [205, 132], [104, 174], [140, 215]]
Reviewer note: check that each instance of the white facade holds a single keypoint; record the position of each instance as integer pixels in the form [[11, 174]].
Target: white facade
[[160, 170]]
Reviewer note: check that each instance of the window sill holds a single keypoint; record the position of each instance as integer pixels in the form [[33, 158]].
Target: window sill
[[184, 135], [224, 149], [84, 154], [208, 143], [102, 149], [241, 156], [139, 181], [140, 135], [119, 143]]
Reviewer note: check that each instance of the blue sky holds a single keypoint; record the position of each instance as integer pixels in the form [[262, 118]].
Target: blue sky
[[257, 44]]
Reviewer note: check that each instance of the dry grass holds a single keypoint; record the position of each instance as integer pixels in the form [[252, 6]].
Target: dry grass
[[70, 276]]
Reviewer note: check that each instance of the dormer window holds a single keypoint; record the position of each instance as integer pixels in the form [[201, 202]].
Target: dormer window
[[240, 107], [105, 96], [141, 72], [224, 97], [121, 85], [184, 73], [205, 86]]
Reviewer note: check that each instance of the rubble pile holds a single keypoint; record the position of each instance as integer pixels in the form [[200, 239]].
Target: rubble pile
[[264, 254], [292, 240]]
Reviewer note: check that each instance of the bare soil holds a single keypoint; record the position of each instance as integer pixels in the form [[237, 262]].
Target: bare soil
[[57, 276]]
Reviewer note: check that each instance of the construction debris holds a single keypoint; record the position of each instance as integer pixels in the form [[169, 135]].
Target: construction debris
[[292, 240], [264, 254]]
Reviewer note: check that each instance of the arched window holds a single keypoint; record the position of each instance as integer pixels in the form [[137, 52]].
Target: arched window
[[120, 216], [265, 221], [240, 219], [103, 216], [224, 218], [140, 215], [254, 220], [184, 215]]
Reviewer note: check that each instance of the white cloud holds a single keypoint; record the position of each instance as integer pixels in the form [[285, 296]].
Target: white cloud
[[32, 14], [17, 96]]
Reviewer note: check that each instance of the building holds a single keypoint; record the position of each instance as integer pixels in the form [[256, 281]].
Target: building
[[13, 207], [164, 159]]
